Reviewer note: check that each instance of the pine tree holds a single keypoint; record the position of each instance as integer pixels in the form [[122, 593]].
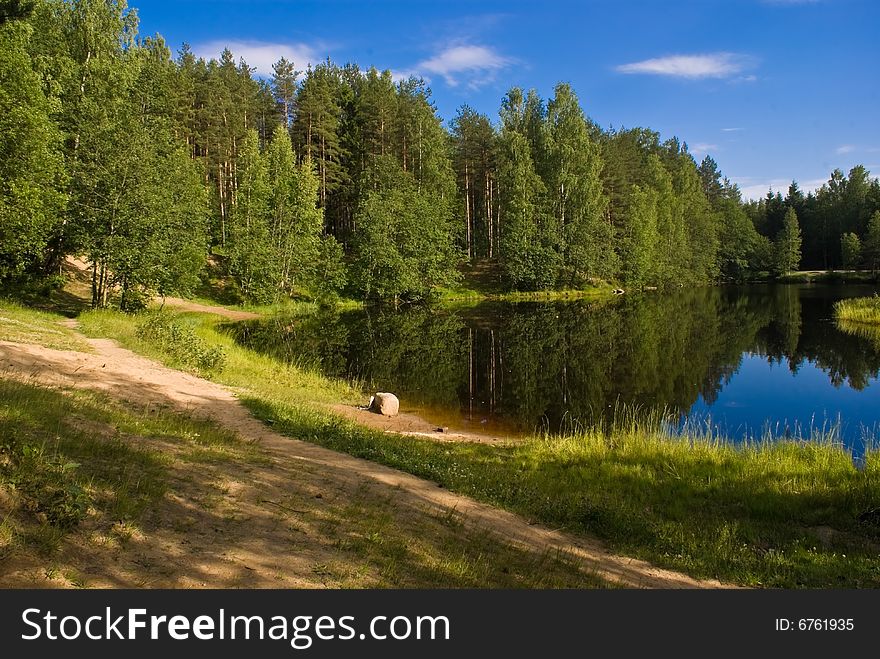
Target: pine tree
[[473, 139], [284, 89], [376, 112], [316, 134], [710, 178]]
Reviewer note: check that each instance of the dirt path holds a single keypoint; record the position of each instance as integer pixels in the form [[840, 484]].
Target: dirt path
[[187, 305], [127, 376], [412, 424]]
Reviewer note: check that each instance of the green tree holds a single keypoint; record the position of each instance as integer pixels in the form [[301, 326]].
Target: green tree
[[316, 129], [13, 10], [252, 260], [32, 176], [574, 191], [872, 243], [788, 244], [710, 177], [276, 244], [850, 250], [638, 237], [284, 88], [404, 246], [139, 199], [297, 222], [529, 258], [739, 242], [700, 221], [473, 140]]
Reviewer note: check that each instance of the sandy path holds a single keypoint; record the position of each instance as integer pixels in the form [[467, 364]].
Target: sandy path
[[407, 423], [125, 375], [187, 305]]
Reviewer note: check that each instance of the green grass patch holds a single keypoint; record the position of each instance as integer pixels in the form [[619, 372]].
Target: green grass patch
[[437, 550], [25, 325], [827, 277], [72, 457], [63, 458], [464, 294], [859, 310]]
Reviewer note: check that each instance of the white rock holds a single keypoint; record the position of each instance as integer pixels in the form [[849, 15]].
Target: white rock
[[385, 404]]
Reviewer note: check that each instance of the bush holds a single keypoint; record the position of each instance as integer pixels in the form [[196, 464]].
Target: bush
[[181, 342]]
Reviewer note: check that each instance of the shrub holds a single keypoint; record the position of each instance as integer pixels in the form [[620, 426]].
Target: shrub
[[181, 342]]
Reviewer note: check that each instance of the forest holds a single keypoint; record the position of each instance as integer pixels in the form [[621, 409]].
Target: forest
[[334, 180]]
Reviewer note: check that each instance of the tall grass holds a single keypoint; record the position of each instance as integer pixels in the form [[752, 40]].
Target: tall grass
[[859, 310]]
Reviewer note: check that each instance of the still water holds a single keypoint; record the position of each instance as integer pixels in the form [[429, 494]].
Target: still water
[[742, 359]]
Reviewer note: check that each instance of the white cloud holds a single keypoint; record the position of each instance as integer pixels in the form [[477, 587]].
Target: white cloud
[[701, 148], [731, 130], [708, 65], [751, 189], [844, 149], [261, 55], [478, 64], [401, 76]]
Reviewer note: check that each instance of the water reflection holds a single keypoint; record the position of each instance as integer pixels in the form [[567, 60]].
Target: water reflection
[[746, 357]]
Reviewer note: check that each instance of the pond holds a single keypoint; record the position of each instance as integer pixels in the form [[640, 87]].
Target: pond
[[740, 359]]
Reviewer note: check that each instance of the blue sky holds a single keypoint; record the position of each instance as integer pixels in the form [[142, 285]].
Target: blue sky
[[774, 90]]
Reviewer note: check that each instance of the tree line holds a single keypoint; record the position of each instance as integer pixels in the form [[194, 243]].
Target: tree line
[[337, 179], [840, 221]]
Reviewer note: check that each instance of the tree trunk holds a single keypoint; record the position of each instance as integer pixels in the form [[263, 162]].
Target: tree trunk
[[488, 211], [94, 284], [467, 208], [324, 172], [470, 374]]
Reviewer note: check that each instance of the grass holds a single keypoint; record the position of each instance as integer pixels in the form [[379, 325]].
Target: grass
[[438, 550], [859, 310], [22, 324], [459, 294], [827, 276], [783, 514]]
